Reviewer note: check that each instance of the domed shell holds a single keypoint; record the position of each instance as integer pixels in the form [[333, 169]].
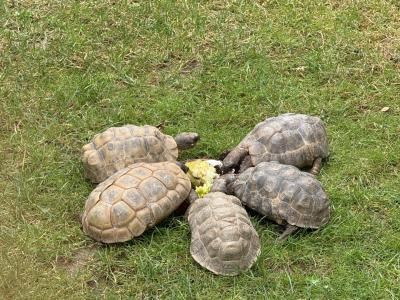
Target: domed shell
[[223, 238], [118, 147], [133, 200], [283, 194], [293, 139]]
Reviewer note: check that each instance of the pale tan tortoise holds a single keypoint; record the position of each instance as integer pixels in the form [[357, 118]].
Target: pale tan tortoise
[[133, 200], [223, 239], [293, 139], [118, 147], [280, 192]]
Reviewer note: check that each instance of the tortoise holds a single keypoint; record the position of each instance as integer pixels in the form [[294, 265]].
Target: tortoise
[[118, 147], [133, 200], [292, 139], [280, 192], [223, 238]]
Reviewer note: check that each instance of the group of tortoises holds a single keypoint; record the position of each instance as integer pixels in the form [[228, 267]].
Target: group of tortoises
[[141, 183]]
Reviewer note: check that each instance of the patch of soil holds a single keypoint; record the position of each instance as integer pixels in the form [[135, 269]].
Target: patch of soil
[[79, 259], [189, 66]]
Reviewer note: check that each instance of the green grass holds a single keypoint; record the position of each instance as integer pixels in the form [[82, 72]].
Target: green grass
[[70, 69]]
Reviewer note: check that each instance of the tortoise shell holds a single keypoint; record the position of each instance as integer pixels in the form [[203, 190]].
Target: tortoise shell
[[118, 147], [292, 139], [283, 194], [223, 238], [133, 200]]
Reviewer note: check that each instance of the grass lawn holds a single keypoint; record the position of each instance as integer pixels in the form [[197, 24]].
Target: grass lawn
[[70, 69]]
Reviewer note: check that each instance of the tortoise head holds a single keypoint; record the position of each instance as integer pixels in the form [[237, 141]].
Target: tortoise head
[[183, 167], [187, 140]]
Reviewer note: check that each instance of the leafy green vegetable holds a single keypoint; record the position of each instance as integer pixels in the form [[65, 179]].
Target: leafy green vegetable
[[202, 176]]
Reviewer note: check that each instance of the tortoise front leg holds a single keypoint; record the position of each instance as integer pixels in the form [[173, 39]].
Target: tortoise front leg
[[189, 201], [316, 166], [222, 183], [233, 159], [290, 229], [192, 196]]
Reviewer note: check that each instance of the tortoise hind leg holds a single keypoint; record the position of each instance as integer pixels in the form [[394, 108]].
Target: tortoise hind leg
[[290, 229], [316, 166]]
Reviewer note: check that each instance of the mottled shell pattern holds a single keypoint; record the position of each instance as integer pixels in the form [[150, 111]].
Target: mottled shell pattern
[[223, 238], [133, 200], [118, 147], [292, 139], [283, 194]]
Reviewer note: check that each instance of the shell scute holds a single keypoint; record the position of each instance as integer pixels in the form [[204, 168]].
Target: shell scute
[[112, 194], [99, 216], [136, 227], [166, 177], [134, 198], [121, 214], [145, 216], [141, 172], [127, 182], [153, 189]]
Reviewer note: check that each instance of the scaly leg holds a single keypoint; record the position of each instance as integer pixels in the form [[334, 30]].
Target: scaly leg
[[290, 229], [233, 159], [316, 166], [192, 196], [189, 201], [222, 184]]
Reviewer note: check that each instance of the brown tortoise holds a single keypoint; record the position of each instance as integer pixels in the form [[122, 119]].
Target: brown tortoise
[[292, 139], [133, 200], [280, 192], [118, 147], [223, 238]]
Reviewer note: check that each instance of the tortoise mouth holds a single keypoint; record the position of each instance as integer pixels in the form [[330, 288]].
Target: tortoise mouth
[[193, 140]]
